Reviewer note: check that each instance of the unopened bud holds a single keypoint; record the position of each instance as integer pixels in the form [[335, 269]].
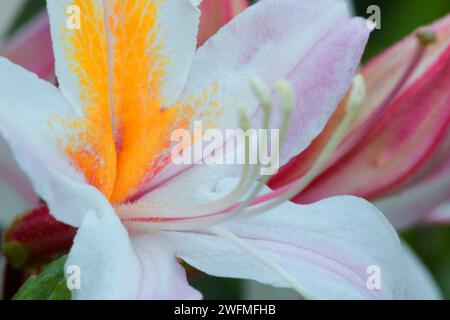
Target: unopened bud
[[35, 238]]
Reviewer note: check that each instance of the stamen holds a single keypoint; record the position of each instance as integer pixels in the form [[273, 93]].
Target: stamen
[[272, 265], [287, 99], [355, 101]]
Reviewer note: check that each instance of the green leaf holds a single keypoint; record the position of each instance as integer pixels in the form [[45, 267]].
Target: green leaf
[[49, 285]]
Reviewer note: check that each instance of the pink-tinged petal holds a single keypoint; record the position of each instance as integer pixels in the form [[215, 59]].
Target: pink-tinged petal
[[313, 44], [16, 191], [31, 47], [294, 44], [162, 276], [418, 202], [9, 10], [327, 247], [420, 284], [318, 92], [33, 117], [108, 265], [392, 149], [215, 14]]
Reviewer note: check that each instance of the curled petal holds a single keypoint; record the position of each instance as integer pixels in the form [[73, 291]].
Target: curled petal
[[114, 267], [108, 265]]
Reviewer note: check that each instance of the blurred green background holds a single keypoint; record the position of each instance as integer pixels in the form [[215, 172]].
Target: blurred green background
[[398, 19]]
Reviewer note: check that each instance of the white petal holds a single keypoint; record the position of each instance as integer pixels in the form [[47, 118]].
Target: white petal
[[114, 267], [328, 247], [103, 253]]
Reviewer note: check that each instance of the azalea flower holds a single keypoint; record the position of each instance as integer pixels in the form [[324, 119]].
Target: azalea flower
[[396, 154], [96, 149]]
